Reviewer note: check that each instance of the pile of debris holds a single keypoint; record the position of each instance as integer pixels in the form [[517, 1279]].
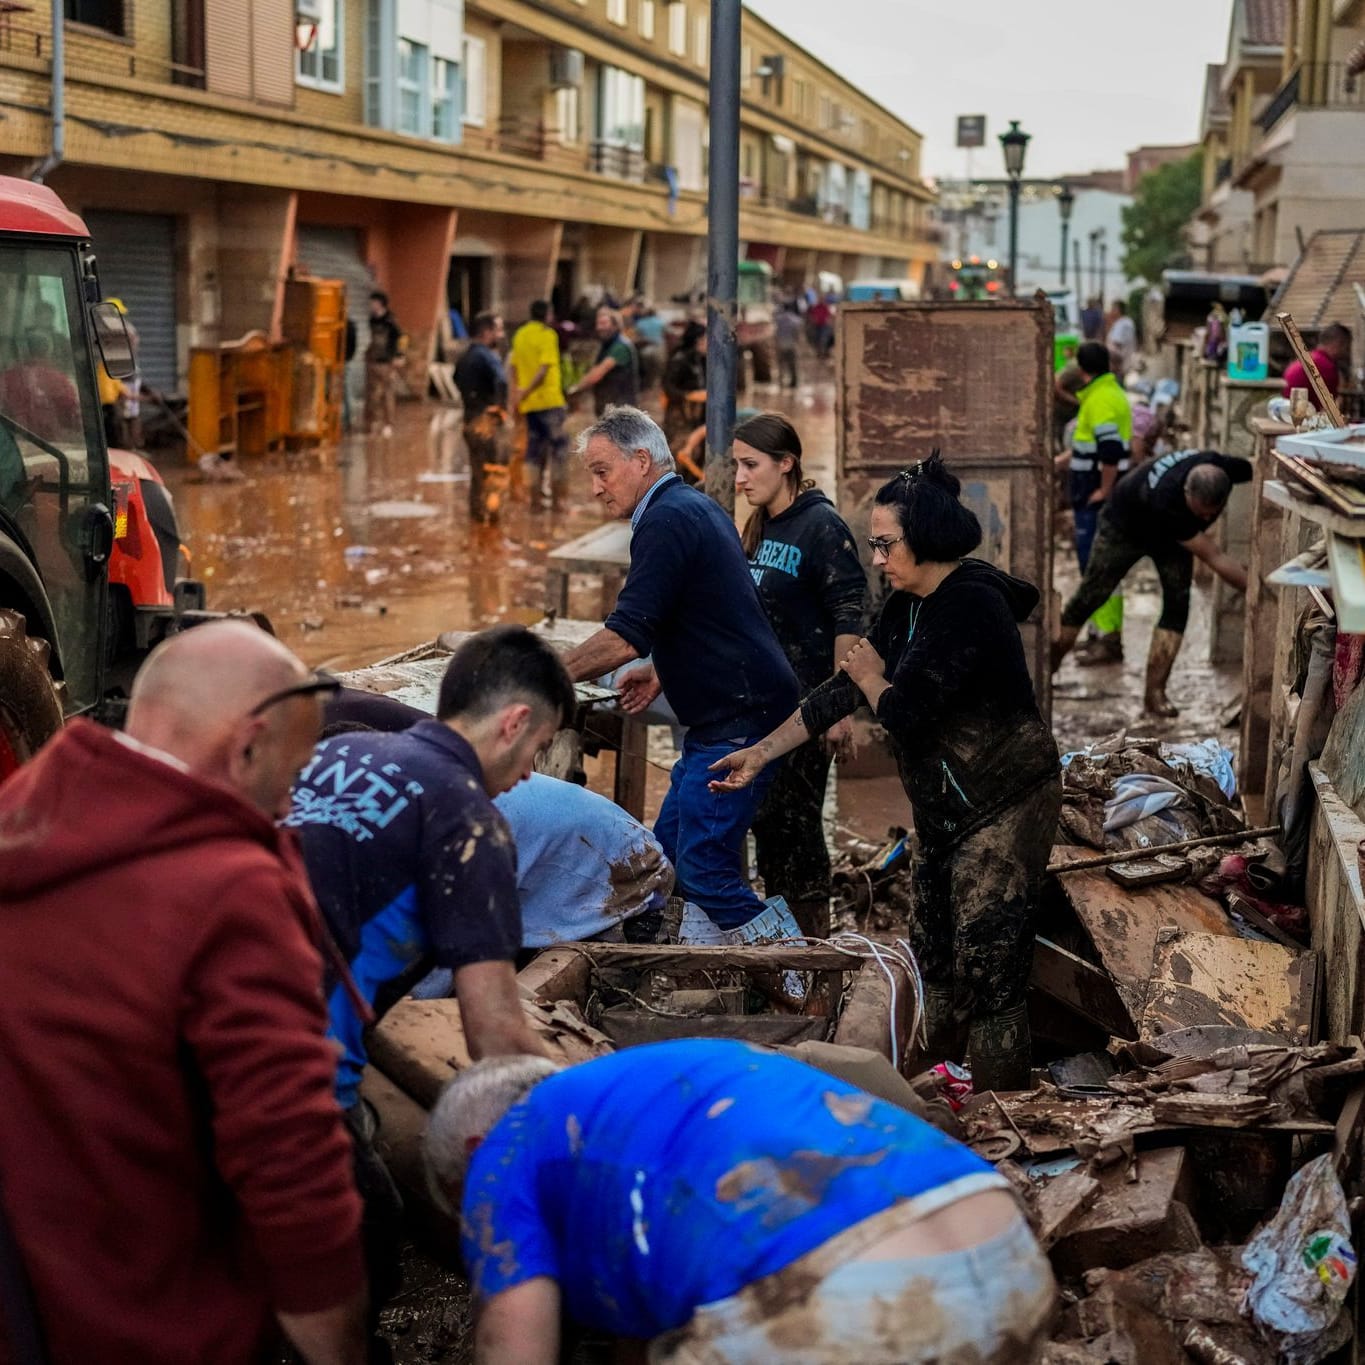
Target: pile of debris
[[1186, 1155], [1146, 1186]]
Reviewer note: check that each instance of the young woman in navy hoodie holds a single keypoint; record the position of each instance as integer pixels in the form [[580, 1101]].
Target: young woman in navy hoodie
[[943, 668], [814, 590]]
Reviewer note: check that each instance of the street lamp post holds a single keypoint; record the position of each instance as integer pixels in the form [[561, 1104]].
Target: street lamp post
[[1014, 144], [722, 266], [1066, 201]]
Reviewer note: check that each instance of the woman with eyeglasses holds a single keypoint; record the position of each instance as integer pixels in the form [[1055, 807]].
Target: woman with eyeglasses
[[814, 590], [943, 668]]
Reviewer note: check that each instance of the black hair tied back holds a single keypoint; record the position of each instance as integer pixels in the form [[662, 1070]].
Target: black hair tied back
[[937, 527]]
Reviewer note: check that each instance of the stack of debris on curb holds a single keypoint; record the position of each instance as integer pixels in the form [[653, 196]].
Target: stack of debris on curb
[[1146, 1191]]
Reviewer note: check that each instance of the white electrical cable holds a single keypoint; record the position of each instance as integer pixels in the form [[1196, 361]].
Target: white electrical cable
[[898, 954]]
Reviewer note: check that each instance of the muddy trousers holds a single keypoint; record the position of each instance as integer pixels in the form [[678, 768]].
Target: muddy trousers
[[546, 443], [488, 479], [976, 904], [1112, 556], [789, 831], [1108, 618], [381, 394]]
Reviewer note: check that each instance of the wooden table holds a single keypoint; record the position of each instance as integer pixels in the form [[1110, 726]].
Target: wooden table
[[604, 551], [414, 677]]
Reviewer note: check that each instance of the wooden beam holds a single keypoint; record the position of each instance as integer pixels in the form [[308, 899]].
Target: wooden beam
[[680, 958], [1082, 987], [1315, 380]]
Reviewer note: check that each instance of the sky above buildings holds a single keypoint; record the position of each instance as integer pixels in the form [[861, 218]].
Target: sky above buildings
[[1090, 79]]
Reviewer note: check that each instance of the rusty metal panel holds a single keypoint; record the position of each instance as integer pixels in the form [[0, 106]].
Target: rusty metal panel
[[974, 379]]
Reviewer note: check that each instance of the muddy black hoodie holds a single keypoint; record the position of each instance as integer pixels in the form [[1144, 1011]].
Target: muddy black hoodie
[[960, 711], [812, 583]]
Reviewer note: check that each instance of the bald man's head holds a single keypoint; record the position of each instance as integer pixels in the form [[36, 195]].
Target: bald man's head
[[194, 699], [1206, 490]]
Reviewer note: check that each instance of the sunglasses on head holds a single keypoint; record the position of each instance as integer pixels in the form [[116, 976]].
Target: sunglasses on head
[[320, 682]]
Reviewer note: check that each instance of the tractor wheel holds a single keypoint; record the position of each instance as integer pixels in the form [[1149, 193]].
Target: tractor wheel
[[30, 710]]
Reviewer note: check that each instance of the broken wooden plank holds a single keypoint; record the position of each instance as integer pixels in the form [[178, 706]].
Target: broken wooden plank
[[1133, 1219], [1326, 402], [627, 1027], [556, 974], [778, 957], [1200, 978], [1060, 1204], [1123, 924], [1210, 1111], [1081, 986], [420, 1044]]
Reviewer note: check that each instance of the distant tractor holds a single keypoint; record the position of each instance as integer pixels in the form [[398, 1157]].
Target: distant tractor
[[90, 554]]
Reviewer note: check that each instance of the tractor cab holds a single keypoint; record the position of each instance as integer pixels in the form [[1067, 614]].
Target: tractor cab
[[56, 525]]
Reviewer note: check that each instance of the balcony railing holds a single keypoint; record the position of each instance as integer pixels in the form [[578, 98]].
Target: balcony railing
[[1286, 97], [1327, 85]]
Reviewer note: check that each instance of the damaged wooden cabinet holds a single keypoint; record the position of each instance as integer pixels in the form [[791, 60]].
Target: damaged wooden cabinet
[[975, 381]]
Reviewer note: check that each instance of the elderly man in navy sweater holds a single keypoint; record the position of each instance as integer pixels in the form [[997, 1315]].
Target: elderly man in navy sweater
[[689, 601]]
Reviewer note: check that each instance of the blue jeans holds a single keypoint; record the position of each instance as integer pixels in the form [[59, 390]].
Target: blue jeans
[[702, 833], [545, 436]]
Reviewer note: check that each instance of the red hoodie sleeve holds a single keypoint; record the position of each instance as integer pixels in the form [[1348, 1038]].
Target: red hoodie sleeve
[[254, 1018]]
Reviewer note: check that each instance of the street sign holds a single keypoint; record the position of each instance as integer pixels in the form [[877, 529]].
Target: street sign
[[971, 130]]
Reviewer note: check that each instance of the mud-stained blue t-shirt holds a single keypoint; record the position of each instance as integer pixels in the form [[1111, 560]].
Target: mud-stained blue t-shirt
[[664, 1177], [412, 865]]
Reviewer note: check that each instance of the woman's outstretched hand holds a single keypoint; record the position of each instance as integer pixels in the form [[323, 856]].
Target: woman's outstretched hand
[[738, 769]]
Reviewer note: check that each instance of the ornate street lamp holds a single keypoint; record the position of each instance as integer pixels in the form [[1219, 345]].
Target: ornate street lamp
[[1014, 144], [1066, 201]]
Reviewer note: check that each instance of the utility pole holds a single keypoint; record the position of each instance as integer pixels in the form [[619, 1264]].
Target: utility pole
[[722, 268]]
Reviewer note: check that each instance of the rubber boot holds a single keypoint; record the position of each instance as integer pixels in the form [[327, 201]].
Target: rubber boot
[[943, 1029], [1100, 650], [559, 485], [494, 490], [1001, 1051], [1061, 645], [812, 916], [1160, 660]]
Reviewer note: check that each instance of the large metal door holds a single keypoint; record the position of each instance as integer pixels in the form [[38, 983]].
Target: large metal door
[[136, 257], [336, 253], [974, 379]]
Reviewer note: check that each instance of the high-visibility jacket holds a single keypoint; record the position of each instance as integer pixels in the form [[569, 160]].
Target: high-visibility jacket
[[1104, 427]]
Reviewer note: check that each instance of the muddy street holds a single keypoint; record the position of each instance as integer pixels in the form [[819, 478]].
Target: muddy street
[[363, 552]]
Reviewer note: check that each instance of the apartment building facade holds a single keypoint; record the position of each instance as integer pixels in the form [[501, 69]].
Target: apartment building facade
[[1283, 133], [475, 153]]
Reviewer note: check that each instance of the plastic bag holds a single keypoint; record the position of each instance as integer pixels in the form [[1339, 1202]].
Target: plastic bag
[[1302, 1264]]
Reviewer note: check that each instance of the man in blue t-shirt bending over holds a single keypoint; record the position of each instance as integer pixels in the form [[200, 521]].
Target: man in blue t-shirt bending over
[[689, 601], [729, 1205]]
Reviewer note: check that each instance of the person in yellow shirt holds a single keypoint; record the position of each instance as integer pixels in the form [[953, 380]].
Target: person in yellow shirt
[[538, 395]]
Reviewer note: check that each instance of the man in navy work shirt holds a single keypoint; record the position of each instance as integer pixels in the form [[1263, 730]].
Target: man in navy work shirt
[[1161, 510], [690, 602], [726, 1204], [411, 862]]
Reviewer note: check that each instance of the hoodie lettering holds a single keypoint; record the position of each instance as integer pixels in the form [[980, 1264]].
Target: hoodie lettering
[[778, 555]]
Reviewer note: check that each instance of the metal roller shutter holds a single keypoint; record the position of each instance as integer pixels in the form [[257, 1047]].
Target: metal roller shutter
[[136, 257], [335, 253], [332, 253]]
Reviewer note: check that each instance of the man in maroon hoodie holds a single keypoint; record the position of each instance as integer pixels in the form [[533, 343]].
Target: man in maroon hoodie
[[173, 1165]]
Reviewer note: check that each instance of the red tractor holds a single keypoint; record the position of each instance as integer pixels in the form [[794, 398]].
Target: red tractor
[[90, 555]]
